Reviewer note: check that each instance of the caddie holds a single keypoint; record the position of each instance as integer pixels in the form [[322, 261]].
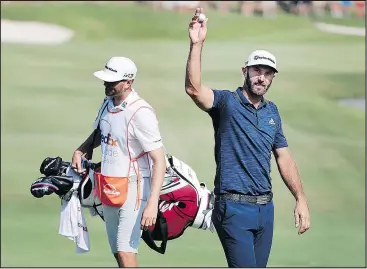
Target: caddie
[[247, 130], [128, 184]]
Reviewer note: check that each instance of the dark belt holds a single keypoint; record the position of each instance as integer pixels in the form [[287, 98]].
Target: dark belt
[[258, 199]]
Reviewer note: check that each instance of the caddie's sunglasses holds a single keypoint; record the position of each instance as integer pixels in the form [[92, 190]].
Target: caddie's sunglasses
[[113, 84]]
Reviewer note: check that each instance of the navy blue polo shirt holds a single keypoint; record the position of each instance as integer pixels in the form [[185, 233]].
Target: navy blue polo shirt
[[244, 139]]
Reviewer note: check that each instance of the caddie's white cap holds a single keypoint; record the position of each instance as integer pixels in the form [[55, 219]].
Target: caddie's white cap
[[262, 57], [116, 69]]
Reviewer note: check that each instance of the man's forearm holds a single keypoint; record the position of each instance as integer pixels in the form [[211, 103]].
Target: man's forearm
[[193, 68], [159, 169], [87, 143], [290, 175]]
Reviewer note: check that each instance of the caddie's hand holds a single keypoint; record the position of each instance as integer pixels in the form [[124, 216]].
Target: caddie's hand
[[76, 161], [197, 30], [149, 216], [302, 216]]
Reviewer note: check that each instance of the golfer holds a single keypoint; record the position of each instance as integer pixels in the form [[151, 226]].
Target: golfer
[[128, 185], [247, 129]]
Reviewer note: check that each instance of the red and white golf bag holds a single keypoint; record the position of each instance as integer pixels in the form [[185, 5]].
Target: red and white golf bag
[[184, 202]]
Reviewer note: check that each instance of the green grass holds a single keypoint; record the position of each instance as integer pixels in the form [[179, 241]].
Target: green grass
[[50, 99]]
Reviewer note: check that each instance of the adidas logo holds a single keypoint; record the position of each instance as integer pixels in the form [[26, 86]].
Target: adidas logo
[[271, 122]]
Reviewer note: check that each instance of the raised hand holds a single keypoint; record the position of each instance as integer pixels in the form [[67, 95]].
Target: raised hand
[[197, 30]]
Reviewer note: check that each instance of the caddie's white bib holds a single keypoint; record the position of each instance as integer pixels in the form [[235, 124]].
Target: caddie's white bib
[[122, 152]]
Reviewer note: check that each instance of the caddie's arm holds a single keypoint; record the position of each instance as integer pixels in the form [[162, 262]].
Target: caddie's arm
[[202, 95], [83, 148], [289, 172], [159, 169], [149, 215], [146, 130]]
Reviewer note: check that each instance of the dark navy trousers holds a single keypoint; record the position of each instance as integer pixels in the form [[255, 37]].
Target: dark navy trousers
[[245, 231]]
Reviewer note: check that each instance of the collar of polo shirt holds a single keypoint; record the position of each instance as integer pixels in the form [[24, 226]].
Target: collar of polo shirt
[[246, 102], [124, 103]]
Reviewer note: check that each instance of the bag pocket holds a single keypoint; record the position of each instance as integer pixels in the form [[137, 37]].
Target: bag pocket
[[112, 191]]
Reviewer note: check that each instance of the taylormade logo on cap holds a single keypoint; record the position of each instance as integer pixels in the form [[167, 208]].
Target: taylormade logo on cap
[[116, 69], [261, 57], [109, 68], [257, 57]]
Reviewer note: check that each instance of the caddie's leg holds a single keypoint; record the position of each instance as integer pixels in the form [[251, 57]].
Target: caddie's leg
[[129, 230], [117, 257], [111, 217], [127, 259], [264, 236], [235, 223]]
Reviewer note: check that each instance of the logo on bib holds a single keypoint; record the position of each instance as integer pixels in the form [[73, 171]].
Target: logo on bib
[[110, 190], [107, 139]]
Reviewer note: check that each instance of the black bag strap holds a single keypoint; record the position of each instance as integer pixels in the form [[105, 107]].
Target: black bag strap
[[95, 208], [89, 153], [148, 238]]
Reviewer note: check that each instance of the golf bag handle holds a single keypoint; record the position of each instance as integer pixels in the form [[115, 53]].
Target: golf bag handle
[[148, 238]]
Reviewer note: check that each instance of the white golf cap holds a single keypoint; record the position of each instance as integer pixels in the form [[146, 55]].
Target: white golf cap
[[116, 69], [262, 57]]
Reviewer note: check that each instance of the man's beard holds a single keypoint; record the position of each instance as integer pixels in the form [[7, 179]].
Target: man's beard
[[110, 91], [258, 88]]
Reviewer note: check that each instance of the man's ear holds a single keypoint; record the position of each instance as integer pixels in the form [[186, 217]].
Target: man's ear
[[244, 69]]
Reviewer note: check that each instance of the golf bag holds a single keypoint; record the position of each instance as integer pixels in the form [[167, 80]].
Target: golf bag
[[184, 202]]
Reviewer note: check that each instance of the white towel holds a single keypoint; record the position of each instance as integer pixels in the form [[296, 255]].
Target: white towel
[[73, 224], [77, 180]]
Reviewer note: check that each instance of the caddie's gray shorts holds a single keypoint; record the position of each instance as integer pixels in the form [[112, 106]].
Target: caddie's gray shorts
[[123, 223]]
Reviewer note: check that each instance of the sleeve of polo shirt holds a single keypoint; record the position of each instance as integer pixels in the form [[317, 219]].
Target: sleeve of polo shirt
[[219, 97], [146, 129], [280, 141]]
